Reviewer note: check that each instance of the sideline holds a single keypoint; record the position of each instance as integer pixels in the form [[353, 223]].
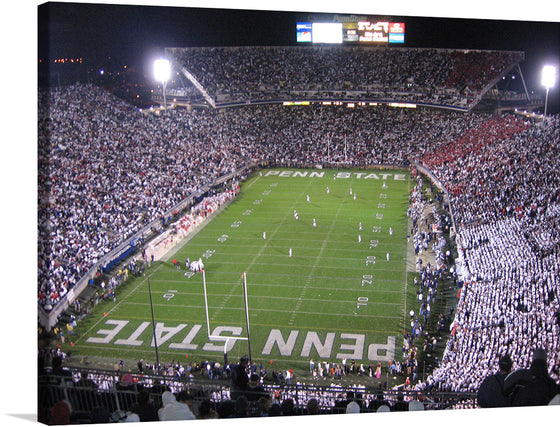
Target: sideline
[[163, 250]]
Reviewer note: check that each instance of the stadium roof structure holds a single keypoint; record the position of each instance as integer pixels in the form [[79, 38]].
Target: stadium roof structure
[[510, 93], [460, 80]]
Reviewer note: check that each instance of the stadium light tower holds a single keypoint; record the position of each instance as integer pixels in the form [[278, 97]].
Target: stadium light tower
[[162, 72], [548, 81]]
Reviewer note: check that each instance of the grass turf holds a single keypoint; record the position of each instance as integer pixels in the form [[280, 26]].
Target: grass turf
[[337, 296]]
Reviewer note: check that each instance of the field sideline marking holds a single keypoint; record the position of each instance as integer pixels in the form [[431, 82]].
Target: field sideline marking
[[87, 333], [406, 264]]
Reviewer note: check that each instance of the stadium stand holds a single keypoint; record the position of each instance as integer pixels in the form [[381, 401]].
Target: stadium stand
[[88, 390], [445, 78], [504, 192], [107, 170]]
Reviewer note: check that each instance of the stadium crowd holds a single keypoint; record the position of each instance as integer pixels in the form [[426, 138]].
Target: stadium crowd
[[106, 170], [508, 244], [432, 76], [248, 391], [84, 397]]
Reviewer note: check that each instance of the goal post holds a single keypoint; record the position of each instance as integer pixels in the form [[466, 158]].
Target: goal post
[[246, 309]]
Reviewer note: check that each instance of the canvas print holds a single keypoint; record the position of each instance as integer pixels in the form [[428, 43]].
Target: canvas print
[[249, 213]]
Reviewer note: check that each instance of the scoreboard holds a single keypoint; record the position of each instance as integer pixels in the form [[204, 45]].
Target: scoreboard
[[361, 32]]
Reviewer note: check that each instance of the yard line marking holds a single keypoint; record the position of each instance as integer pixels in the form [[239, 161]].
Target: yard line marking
[[263, 247], [121, 301], [265, 310], [291, 276], [338, 302], [316, 263]]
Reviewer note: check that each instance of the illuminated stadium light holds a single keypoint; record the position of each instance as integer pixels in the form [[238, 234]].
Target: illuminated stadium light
[[162, 72], [548, 81], [548, 76]]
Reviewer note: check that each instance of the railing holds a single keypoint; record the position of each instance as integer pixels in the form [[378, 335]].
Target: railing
[[114, 391], [426, 172], [462, 104]]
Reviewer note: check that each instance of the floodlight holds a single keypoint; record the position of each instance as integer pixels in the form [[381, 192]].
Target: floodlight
[[548, 81], [548, 76], [162, 70]]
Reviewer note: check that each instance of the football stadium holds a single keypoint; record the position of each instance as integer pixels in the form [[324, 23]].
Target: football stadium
[[333, 227]]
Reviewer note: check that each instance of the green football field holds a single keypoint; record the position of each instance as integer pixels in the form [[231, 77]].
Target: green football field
[[342, 294]]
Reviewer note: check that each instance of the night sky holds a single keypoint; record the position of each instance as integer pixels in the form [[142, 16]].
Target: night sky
[[134, 35]]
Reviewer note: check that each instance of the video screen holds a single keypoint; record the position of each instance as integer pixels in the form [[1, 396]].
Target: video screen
[[366, 32], [327, 32], [303, 32]]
